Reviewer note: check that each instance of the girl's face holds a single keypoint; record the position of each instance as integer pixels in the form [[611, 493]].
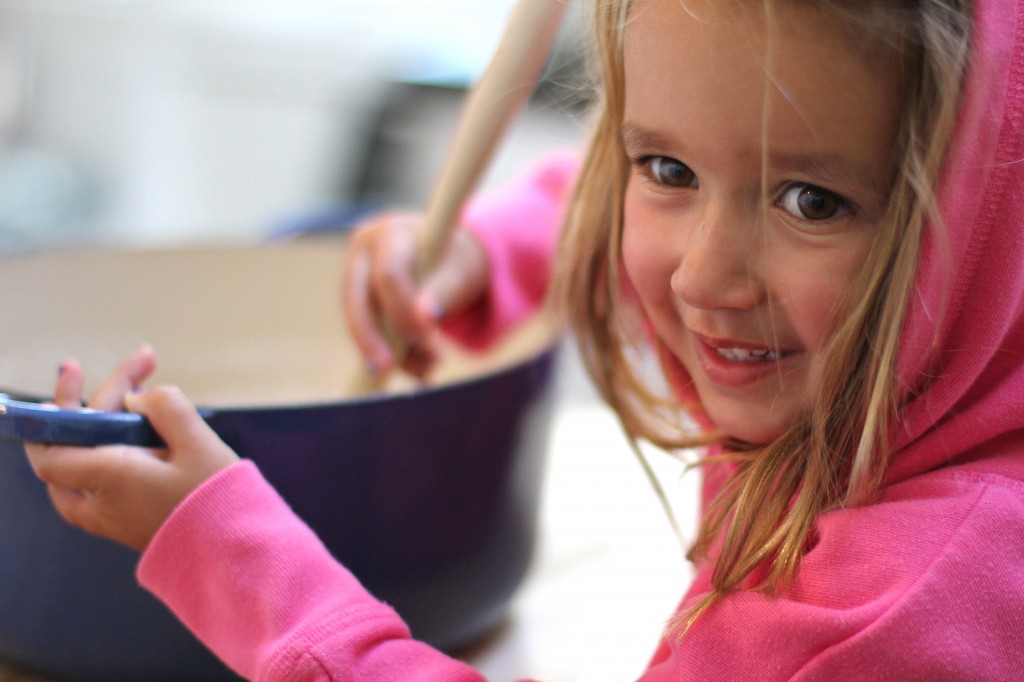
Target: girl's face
[[762, 150]]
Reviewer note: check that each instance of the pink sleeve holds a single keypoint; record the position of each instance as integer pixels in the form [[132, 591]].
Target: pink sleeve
[[254, 583], [518, 226]]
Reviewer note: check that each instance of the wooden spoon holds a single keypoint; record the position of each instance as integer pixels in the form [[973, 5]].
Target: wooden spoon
[[495, 99]]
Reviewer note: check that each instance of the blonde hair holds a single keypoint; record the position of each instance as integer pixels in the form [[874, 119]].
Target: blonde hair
[[838, 455]]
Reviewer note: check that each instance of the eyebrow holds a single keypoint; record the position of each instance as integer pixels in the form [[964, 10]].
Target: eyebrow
[[828, 166], [632, 135], [832, 166]]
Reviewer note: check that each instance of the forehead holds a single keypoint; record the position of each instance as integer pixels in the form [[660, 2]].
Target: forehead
[[746, 72]]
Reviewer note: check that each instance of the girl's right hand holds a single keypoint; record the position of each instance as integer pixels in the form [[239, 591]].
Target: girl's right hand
[[382, 298]]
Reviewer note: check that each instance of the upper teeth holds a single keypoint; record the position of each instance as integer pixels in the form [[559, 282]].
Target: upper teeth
[[744, 355]]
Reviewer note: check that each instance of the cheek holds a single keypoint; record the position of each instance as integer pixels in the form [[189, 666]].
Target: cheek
[[814, 293], [645, 253], [815, 321]]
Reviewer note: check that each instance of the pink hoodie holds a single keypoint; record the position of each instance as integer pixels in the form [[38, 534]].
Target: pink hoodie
[[925, 584]]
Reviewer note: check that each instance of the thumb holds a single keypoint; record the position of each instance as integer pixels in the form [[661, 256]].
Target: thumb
[[459, 280], [172, 415], [192, 445]]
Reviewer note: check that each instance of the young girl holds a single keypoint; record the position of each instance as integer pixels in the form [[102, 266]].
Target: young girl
[[813, 213]]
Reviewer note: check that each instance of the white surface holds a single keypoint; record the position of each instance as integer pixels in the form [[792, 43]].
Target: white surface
[[609, 571]]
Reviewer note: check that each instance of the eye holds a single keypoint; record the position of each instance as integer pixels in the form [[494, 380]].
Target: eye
[[666, 171], [809, 202]]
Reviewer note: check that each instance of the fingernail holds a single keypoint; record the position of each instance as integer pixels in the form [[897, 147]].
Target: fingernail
[[427, 310], [60, 368], [432, 307]]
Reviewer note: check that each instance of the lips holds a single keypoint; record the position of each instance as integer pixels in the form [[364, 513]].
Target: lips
[[745, 355], [738, 363]]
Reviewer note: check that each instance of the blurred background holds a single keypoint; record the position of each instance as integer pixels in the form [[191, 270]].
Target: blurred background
[[161, 121]]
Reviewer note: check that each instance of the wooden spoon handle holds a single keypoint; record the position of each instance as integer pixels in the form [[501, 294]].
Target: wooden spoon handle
[[497, 97]]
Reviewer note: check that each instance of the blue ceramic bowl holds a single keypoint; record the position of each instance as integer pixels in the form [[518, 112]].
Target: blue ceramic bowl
[[430, 496]]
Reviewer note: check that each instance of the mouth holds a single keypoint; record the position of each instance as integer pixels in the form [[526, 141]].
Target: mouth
[[743, 351], [751, 355], [737, 363]]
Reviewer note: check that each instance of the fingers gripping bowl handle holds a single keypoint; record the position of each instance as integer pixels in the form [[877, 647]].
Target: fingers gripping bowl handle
[[45, 423]]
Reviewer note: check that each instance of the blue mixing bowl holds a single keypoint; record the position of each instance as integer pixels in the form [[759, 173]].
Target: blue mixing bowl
[[429, 495]]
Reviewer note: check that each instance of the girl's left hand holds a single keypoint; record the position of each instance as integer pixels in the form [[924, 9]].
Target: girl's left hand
[[121, 492]]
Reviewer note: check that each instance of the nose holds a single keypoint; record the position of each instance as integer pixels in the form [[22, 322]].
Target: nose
[[718, 268]]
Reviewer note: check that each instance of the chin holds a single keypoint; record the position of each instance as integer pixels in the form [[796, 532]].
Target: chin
[[753, 431]]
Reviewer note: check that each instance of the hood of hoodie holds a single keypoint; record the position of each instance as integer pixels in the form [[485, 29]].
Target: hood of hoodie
[[962, 351]]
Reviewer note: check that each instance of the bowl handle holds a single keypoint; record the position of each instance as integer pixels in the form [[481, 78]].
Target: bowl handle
[[45, 423]]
